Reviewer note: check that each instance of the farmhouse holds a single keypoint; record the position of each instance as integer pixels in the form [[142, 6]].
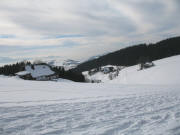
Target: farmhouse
[[40, 72]]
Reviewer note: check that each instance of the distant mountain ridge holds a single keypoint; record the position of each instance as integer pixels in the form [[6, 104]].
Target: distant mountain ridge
[[67, 64], [131, 55]]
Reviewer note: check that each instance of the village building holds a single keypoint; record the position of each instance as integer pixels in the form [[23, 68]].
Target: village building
[[39, 72]]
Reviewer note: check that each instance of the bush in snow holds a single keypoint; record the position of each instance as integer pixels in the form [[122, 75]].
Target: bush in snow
[[113, 75], [144, 63]]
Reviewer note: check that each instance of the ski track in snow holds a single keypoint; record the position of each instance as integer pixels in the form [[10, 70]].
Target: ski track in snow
[[148, 104], [137, 115]]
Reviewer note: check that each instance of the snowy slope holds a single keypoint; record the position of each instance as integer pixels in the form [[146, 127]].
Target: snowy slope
[[165, 71], [69, 108]]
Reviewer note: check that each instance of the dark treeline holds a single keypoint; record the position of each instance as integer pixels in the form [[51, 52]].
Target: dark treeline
[[12, 69], [77, 77], [131, 55]]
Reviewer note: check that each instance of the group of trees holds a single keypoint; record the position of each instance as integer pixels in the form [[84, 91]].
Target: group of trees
[[131, 55], [70, 75], [144, 63], [12, 69]]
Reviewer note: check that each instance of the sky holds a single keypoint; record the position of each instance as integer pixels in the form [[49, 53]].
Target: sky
[[79, 29]]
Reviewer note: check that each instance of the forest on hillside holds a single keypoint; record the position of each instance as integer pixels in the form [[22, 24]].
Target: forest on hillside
[[132, 55]]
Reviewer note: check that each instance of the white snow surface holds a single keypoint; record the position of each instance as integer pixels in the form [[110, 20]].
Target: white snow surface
[[23, 73], [165, 71], [39, 70], [69, 108]]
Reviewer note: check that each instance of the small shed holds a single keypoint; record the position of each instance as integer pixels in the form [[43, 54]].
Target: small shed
[[107, 69]]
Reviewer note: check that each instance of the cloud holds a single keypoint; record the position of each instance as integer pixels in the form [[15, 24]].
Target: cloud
[[83, 28], [6, 60], [7, 36]]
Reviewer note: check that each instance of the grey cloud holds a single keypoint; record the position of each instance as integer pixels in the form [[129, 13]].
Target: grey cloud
[[6, 59], [99, 16], [157, 12], [87, 16], [100, 21]]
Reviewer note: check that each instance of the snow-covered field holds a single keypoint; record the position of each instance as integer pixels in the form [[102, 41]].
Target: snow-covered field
[[68, 108]]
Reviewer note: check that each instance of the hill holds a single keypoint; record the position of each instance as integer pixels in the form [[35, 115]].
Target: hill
[[165, 71], [132, 55]]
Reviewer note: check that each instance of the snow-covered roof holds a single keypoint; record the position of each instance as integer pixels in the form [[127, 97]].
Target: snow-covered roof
[[23, 73], [39, 70]]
